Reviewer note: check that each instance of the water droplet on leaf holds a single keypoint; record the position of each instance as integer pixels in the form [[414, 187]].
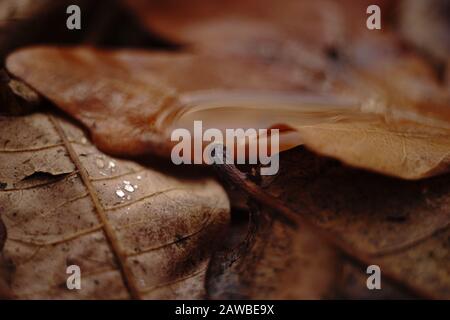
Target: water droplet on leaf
[[100, 163], [120, 193]]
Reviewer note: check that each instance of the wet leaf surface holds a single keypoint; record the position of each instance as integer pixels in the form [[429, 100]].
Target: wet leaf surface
[[140, 232], [133, 231], [142, 90], [134, 87]]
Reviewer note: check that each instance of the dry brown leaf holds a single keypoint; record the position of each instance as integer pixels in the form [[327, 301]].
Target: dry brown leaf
[[404, 149], [425, 24], [15, 97], [140, 89], [353, 285], [5, 292], [298, 37], [400, 225], [276, 261], [2, 234], [14, 10], [61, 205], [210, 23], [381, 68], [328, 38]]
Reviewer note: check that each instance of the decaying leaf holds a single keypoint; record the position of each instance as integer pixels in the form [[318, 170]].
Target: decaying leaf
[[2, 234], [400, 225], [328, 38], [276, 261], [20, 9], [28, 21], [279, 261], [141, 90], [207, 23], [15, 96], [352, 284], [426, 25], [404, 149], [309, 67], [4, 291], [133, 230]]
